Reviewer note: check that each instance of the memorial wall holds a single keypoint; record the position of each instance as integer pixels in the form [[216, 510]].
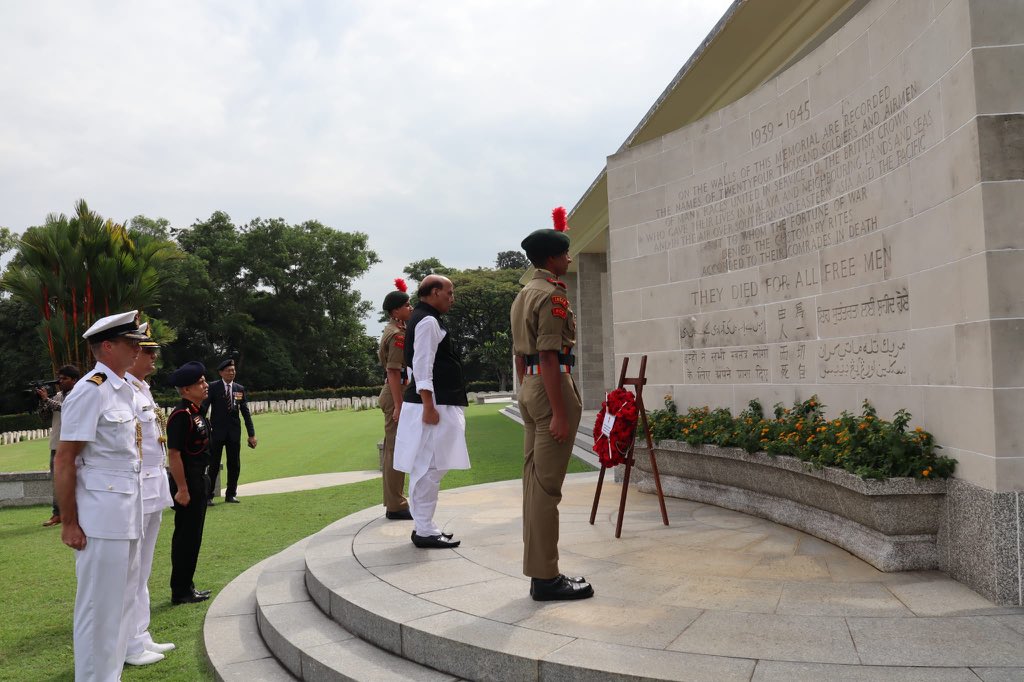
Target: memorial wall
[[852, 228]]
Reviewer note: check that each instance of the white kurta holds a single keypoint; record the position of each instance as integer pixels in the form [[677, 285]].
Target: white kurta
[[447, 438], [427, 451]]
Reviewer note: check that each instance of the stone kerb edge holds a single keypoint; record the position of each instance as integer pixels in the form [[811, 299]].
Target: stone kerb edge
[[25, 488], [359, 600], [888, 553], [840, 477], [911, 550], [415, 628]]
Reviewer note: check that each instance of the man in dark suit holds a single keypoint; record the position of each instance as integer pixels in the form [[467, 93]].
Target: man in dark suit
[[226, 401]]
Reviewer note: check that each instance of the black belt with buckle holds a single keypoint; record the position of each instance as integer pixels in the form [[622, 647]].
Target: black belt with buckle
[[563, 359]]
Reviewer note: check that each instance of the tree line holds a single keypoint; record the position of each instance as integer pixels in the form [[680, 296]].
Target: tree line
[[278, 297]]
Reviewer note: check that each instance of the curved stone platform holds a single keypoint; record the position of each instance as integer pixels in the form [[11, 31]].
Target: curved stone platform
[[717, 595]]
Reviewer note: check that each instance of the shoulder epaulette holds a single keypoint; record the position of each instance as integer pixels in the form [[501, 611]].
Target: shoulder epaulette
[[98, 378], [557, 283]]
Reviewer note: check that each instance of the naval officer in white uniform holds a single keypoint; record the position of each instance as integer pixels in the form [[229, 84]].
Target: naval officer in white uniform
[[97, 476], [156, 496]]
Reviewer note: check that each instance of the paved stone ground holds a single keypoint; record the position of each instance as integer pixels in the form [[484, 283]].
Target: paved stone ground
[[716, 595], [744, 597], [310, 482]]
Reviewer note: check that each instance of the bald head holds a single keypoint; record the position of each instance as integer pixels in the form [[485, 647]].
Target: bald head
[[437, 291]]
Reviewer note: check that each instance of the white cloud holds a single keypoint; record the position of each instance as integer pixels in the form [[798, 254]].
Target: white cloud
[[443, 129]]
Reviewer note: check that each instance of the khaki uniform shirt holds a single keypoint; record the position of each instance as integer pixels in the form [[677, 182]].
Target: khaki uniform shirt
[[392, 356], [542, 318], [392, 347]]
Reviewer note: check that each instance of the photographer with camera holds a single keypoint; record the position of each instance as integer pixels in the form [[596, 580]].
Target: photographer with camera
[[67, 376]]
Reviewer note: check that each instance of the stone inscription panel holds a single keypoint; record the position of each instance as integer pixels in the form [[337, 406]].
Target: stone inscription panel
[[876, 359], [807, 190], [742, 365], [781, 246]]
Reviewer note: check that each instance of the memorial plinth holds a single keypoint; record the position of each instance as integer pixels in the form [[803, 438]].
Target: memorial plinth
[[851, 229], [892, 524]]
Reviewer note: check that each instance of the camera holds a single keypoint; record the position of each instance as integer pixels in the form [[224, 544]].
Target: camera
[[49, 384]]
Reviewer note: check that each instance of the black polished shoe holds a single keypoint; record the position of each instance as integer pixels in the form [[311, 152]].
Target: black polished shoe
[[400, 515], [559, 589], [570, 578], [192, 598], [232, 500], [435, 541], [205, 594]]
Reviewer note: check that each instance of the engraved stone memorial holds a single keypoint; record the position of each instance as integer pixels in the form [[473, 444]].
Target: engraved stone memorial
[[849, 227]]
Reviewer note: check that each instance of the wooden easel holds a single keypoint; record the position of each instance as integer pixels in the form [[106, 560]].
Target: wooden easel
[[638, 387]]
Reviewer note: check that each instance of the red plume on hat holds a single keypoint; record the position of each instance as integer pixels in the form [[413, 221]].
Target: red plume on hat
[[560, 217], [401, 285]]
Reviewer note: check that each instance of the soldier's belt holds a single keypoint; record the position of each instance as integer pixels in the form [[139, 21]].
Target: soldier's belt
[[566, 361], [405, 377], [563, 359]]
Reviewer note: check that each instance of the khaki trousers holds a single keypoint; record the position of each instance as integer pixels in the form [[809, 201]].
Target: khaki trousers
[[544, 467], [393, 481]]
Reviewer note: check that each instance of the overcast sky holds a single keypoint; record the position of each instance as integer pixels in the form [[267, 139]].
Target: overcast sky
[[445, 129]]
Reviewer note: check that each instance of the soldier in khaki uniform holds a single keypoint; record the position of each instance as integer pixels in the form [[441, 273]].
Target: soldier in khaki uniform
[[543, 335], [392, 358]]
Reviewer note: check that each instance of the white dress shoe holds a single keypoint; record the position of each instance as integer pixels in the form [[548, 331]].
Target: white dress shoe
[[159, 648], [144, 658]]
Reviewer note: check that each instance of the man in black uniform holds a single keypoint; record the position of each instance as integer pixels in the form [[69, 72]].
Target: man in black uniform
[[225, 402], [188, 457]]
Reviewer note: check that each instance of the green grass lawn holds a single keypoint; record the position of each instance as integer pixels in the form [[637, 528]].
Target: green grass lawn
[[289, 445], [38, 588]]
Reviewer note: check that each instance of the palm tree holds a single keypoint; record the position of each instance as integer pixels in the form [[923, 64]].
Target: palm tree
[[76, 270]]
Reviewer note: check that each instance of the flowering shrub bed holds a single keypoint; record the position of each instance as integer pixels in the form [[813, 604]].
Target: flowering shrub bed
[[863, 445]]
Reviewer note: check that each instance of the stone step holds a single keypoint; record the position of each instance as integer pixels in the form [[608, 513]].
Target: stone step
[[231, 637], [716, 596], [405, 621], [305, 640]]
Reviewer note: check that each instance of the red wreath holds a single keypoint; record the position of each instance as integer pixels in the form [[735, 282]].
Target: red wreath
[[622, 405]]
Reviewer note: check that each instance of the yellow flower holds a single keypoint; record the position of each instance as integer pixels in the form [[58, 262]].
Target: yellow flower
[[926, 472]]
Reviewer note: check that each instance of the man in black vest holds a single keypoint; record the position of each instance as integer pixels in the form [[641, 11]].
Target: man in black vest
[[431, 435], [226, 402]]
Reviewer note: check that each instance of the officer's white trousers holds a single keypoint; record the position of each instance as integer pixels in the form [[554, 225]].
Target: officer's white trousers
[[138, 592], [102, 608]]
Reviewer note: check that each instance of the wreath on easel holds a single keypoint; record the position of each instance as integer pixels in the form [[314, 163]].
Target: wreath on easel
[[612, 448]]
